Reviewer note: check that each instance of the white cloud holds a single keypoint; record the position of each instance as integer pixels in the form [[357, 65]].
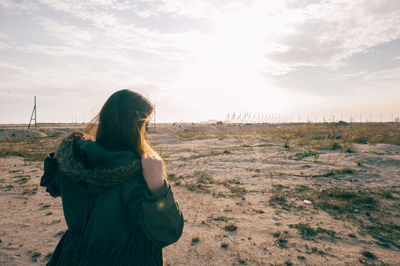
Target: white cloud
[[107, 32], [4, 36], [70, 34], [349, 76], [334, 31], [107, 44], [4, 46], [188, 8], [25, 5], [392, 73]]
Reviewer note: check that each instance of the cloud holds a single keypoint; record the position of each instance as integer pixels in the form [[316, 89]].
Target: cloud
[[104, 31], [387, 74], [188, 8], [4, 36], [335, 31], [24, 5], [181, 48], [304, 33], [68, 33], [4, 46], [349, 76], [392, 73]]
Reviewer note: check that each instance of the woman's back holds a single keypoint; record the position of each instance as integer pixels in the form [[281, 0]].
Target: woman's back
[[112, 217]]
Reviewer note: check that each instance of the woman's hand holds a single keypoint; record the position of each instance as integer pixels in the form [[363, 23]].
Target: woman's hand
[[152, 172]]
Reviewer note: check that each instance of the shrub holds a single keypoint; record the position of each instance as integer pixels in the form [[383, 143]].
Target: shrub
[[230, 227], [336, 146]]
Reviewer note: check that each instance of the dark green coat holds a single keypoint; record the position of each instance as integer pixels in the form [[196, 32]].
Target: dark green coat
[[112, 217]]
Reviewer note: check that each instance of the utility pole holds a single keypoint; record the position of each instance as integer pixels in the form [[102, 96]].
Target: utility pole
[[33, 115]]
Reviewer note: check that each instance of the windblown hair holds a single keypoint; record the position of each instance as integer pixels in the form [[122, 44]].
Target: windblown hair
[[121, 124]]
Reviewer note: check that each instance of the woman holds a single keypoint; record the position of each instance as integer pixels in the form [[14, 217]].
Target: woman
[[118, 206]]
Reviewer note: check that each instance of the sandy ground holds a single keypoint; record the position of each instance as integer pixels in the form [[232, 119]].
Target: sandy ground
[[224, 185]]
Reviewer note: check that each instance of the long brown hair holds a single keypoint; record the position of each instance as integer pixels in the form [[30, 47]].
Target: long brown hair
[[121, 123]]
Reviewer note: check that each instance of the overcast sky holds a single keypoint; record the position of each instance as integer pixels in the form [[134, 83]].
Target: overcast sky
[[200, 59]]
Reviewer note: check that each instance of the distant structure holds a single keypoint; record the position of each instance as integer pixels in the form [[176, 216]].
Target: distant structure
[[276, 118], [33, 115], [258, 118]]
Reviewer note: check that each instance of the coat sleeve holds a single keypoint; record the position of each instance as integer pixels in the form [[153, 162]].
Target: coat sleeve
[[162, 221], [51, 176], [157, 214]]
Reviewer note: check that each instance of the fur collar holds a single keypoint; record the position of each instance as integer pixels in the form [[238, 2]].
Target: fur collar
[[85, 160]]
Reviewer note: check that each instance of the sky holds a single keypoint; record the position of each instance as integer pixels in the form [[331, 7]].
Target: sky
[[200, 60]]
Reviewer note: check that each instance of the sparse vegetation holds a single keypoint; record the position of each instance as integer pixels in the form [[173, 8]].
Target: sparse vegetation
[[203, 177], [318, 251], [35, 256], [171, 177], [195, 240], [305, 154], [30, 148], [277, 198], [202, 182], [219, 218], [307, 231], [242, 261], [323, 185], [341, 201], [345, 203], [281, 241], [386, 234], [234, 187], [334, 172], [230, 227], [198, 188], [336, 146], [276, 234], [368, 255], [371, 133], [237, 190]]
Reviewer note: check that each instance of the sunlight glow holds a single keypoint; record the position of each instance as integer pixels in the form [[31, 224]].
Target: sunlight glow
[[229, 63]]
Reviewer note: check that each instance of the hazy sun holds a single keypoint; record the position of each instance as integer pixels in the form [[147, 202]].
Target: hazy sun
[[229, 63]]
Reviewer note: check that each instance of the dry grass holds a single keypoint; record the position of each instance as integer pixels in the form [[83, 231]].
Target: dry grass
[[318, 135], [373, 212], [307, 232], [30, 148], [330, 136]]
